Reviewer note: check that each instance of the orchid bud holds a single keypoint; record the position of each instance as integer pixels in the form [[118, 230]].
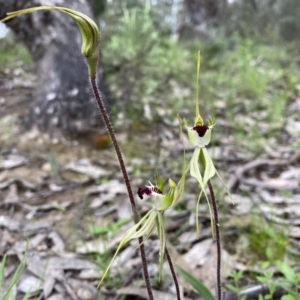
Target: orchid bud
[[89, 30]]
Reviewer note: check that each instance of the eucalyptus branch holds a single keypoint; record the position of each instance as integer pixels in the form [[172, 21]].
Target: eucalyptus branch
[[126, 179], [217, 238]]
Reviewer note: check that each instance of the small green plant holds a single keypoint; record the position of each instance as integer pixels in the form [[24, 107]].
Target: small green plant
[[143, 65], [290, 282], [54, 167], [113, 228], [236, 276], [266, 242], [267, 279]]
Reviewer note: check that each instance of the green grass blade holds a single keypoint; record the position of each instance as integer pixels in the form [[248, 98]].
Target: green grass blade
[[27, 295], [202, 290], [2, 265], [15, 277]]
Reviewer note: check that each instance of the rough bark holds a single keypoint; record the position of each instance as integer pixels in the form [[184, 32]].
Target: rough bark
[[63, 98], [201, 11]]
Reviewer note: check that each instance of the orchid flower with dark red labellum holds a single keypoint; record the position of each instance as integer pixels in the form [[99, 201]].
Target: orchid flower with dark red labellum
[[201, 166], [154, 218]]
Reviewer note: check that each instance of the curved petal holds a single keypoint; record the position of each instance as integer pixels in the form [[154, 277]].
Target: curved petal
[[208, 166]]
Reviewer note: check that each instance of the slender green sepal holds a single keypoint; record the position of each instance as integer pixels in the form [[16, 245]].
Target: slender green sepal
[[162, 238], [226, 188], [197, 85]]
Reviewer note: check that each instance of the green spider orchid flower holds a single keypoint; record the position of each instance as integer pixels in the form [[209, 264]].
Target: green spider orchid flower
[[154, 218], [201, 166], [89, 30]]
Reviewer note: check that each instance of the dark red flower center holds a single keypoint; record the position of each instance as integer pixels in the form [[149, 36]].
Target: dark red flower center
[[201, 130], [148, 191]]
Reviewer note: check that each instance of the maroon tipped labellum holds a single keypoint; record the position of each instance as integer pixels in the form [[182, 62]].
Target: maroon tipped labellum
[[148, 190], [201, 130]]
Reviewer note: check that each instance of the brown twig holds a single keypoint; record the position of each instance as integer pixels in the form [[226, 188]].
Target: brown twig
[[218, 238], [126, 179], [252, 165]]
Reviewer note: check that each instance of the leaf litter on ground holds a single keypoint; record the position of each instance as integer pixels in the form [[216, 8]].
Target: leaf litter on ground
[[49, 217]]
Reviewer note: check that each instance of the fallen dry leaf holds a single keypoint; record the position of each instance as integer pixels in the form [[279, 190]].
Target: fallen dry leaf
[[84, 166], [12, 160]]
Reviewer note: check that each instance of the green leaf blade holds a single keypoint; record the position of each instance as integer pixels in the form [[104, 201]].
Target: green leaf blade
[[197, 285]]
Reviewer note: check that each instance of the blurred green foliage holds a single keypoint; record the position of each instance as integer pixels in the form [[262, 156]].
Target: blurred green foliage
[[266, 241], [266, 19], [249, 83], [241, 75], [145, 69], [12, 53]]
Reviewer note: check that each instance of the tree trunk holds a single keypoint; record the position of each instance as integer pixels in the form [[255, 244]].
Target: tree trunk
[[63, 100], [200, 11]]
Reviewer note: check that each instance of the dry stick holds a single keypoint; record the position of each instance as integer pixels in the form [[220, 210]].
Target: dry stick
[[173, 272], [126, 179], [218, 239]]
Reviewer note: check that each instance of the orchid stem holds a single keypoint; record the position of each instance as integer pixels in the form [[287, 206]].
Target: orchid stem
[[217, 238], [168, 257], [126, 179]]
